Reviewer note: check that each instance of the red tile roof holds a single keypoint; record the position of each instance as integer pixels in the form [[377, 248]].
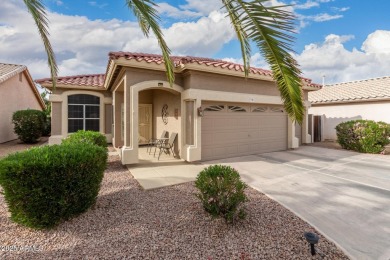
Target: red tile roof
[[182, 60], [92, 80], [97, 80]]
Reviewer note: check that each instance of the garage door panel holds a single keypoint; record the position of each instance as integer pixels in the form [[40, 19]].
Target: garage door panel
[[270, 132], [228, 134], [244, 149], [207, 138]]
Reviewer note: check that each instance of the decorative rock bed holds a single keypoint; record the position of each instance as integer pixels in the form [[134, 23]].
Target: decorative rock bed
[[167, 223]]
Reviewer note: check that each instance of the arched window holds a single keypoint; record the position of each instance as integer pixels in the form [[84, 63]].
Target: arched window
[[83, 113]]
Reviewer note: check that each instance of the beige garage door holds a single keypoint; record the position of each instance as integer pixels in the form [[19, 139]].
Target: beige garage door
[[230, 130]]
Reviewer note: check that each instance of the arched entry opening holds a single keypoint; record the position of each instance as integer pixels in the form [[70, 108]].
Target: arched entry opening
[[148, 108]]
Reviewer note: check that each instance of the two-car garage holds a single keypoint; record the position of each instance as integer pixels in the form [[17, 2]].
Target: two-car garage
[[230, 130]]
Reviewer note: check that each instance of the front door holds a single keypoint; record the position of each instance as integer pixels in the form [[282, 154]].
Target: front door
[[144, 123]]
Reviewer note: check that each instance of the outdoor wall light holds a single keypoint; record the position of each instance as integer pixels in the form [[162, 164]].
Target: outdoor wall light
[[312, 239], [200, 112]]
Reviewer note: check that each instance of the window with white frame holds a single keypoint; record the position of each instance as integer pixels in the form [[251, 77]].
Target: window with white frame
[[83, 113]]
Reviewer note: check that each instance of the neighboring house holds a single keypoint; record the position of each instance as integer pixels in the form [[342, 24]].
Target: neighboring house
[[17, 92], [364, 99], [216, 112]]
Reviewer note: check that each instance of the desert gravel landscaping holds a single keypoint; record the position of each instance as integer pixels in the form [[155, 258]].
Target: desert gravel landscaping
[[167, 223], [18, 146]]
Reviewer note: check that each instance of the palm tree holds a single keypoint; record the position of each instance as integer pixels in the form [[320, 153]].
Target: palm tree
[[269, 27]]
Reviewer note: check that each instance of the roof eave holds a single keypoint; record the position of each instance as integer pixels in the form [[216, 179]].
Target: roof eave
[[311, 87], [179, 69], [12, 73], [34, 88], [49, 86], [111, 66], [350, 101]]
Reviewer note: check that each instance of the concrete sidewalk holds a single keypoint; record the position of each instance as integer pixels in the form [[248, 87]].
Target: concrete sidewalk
[[152, 173], [165, 175]]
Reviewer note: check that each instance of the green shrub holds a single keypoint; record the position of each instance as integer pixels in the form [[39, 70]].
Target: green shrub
[[47, 126], [28, 124], [91, 137], [221, 192], [364, 136], [46, 185]]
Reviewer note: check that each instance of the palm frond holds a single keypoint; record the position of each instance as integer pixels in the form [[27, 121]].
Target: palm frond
[[148, 20], [241, 34], [38, 12], [271, 29]]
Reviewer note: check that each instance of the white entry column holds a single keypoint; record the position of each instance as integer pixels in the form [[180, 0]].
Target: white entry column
[[130, 148]]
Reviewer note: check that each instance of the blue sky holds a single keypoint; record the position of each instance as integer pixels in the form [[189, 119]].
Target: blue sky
[[342, 39]]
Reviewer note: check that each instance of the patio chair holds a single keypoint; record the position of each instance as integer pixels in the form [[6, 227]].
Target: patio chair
[[153, 142], [166, 146]]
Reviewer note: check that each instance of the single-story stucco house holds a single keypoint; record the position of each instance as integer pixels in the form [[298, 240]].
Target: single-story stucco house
[[215, 110], [363, 99], [17, 92]]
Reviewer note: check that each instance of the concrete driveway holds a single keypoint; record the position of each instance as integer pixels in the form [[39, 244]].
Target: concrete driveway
[[345, 195]]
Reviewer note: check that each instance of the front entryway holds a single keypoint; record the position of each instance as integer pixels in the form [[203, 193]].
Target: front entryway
[[144, 123]]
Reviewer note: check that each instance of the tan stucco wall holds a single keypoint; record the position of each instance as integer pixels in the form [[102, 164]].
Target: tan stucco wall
[[118, 101], [145, 97], [14, 96], [108, 118], [140, 75], [218, 82], [337, 113], [298, 132], [161, 97], [56, 118]]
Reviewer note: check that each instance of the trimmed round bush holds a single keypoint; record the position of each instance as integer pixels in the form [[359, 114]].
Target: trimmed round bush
[[365, 136], [46, 185], [28, 124], [90, 137], [221, 192]]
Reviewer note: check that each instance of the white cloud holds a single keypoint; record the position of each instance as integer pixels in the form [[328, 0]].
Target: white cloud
[[59, 3], [96, 4], [332, 59], [81, 45], [204, 7], [377, 42], [174, 12], [201, 38], [340, 9], [256, 61], [339, 64], [323, 17], [307, 5]]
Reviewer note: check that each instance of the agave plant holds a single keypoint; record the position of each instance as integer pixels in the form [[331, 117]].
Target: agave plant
[[269, 27]]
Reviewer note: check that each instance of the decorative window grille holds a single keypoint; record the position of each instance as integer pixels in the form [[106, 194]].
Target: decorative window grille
[[214, 108], [236, 109], [260, 109], [277, 109]]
